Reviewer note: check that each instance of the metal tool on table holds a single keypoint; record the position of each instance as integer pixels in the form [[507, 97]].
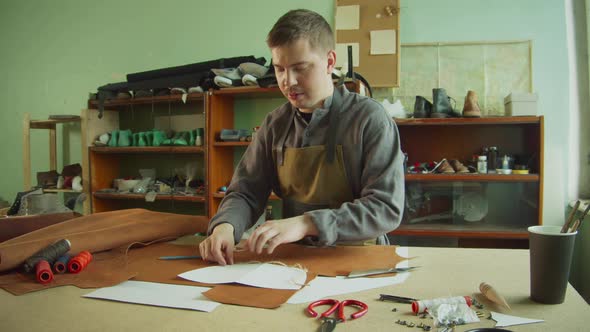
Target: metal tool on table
[[329, 323], [169, 258], [397, 299], [364, 273]]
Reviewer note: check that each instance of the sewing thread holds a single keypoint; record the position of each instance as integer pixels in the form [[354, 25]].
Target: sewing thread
[[61, 264], [49, 254], [79, 262], [44, 274]]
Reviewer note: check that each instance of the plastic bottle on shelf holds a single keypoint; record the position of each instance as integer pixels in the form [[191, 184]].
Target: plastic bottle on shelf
[[482, 164], [492, 159]]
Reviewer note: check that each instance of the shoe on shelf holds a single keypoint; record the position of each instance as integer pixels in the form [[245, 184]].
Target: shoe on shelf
[[441, 105], [443, 167], [471, 107], [458, 166], [422, 107]]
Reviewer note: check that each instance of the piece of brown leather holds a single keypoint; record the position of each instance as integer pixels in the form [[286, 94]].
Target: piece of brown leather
[[98, 273], [101, 231], [13, 226]]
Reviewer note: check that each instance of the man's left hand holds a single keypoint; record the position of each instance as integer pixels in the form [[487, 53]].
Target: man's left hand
[[273, 233]]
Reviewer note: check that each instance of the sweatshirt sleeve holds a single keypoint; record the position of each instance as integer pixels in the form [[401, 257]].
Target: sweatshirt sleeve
[[250, 186]]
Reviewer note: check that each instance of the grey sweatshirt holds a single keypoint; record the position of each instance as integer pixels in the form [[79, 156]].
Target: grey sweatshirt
[[372, 159]]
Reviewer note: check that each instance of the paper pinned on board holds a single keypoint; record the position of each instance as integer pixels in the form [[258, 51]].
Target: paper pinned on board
[[156, 294], [347, 17], [383, 42], [262, 275]]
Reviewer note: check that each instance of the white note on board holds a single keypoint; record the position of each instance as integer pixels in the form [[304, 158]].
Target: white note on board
[[347, 17], [383, 42]]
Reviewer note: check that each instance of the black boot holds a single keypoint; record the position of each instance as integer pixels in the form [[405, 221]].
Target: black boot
[[442, 104], [422, 107]]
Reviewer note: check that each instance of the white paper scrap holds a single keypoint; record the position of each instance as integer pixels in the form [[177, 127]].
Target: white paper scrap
[[503, 320], [347, 17], [322, 287], [262, 275], [383, 42], [156, 294]]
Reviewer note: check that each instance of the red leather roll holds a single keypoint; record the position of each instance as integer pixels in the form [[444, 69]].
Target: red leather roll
[[44, 274]]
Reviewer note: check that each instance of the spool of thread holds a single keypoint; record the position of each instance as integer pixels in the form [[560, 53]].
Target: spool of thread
[[61, 264], [49, 254], [79, 262], [44, 274], [423, 305]]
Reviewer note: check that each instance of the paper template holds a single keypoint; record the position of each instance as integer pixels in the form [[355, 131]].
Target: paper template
[[347, 17], [342, 56], [262, 275], [322, 287], [383, 42], [156, 294], [507, 320]]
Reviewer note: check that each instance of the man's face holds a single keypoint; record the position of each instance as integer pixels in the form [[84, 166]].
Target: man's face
[[304, 74]]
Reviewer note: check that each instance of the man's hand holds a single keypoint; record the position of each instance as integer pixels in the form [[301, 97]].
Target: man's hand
[[276, 232], [219, 246]]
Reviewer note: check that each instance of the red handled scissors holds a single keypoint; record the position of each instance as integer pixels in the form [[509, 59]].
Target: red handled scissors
[[329, 323]]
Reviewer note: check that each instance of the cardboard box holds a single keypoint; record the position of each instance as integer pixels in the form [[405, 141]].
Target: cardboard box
[[520, 103]]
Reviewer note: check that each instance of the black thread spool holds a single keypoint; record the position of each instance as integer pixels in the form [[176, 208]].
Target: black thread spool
[[49, 254]]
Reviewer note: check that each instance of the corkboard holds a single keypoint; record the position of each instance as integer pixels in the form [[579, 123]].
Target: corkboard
[[379, 70]]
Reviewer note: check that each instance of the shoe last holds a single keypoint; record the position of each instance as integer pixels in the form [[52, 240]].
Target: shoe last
[[471, 107], [422, 107], [443, 167], [458, 166]]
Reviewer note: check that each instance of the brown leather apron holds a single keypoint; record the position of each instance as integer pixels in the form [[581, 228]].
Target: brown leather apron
[[314, 177]]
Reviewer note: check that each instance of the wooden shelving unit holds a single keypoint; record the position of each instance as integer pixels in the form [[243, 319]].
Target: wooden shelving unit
[[51, 126], [105, 163], [515, 201]]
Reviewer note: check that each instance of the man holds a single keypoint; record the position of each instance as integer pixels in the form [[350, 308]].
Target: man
[[332, 156]]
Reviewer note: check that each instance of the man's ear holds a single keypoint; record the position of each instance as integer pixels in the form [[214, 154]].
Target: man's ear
[[331, 61]]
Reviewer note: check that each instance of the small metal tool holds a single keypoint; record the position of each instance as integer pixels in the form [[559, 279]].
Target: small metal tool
[[356, 274], [169, 258]]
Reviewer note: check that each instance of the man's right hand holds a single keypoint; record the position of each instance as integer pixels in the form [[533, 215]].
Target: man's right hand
[[219, 246]]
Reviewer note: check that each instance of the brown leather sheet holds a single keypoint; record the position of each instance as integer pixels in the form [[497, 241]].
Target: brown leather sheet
[[11, 227], [99, 273], [101, 231]]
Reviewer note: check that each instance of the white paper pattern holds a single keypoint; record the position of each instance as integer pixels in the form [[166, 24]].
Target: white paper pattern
[[156, 294], [258, 275], [322, 287]]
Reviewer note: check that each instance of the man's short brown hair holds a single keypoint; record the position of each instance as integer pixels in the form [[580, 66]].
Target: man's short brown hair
[[301, 23]]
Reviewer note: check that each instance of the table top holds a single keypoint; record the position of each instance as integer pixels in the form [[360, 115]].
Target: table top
[[443, 272]]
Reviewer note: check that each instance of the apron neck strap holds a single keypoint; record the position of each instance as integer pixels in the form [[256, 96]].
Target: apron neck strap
[[334, 124]]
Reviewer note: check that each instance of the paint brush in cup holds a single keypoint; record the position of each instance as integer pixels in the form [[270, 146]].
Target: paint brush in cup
[[566, 226]]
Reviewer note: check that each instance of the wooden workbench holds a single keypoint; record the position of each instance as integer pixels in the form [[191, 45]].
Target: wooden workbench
[[444, 272]]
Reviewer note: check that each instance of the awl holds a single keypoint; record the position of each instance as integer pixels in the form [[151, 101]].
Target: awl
[[356, 274]]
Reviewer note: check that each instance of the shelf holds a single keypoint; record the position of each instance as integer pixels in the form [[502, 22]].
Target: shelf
[[472, 177], [272, 197], [147, 100], [231, 143], [159, 197], [462, 231], [61, 191], [148, 149], [249, 92], [50, 124], [506, 120]]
